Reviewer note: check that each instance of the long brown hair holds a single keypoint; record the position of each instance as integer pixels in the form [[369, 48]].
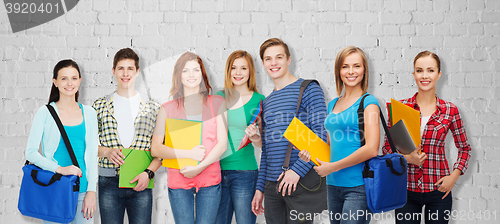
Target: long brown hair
[[228, 83], [338, 65], [177, 90]]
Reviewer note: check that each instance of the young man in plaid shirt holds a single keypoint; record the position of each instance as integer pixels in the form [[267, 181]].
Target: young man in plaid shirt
[[125, 121]]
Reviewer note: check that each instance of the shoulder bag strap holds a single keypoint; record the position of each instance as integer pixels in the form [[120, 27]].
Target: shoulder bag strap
[[64, 135], [303, 87]]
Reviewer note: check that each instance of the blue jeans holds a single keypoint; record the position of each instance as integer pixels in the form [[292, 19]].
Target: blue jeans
[[347, 205], [238, 189], [79, 215], [183, 204], [436, 209], [275, 209], [113, 201]]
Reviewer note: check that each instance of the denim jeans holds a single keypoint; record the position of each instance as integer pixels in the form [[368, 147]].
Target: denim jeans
[[347, 205], [437, 210], [113, 201], [275, 209], [79, 215], [183, 204], [238, 189]]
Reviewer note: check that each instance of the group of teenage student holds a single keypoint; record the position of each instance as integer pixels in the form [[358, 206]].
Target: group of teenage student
[[227, 180]]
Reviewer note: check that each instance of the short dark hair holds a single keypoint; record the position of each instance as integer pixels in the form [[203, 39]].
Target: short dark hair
[[273, 42], [126, 53], [54, 91]]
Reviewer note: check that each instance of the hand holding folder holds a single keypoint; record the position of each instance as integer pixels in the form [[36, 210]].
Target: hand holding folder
[[304, 139], [182, 134], [136, 161], [245, 141]]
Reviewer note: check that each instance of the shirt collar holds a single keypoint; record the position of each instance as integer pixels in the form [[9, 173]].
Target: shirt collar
[[440, 104]]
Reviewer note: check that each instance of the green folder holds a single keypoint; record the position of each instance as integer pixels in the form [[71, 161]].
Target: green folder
[[136, 161], [389, 112]]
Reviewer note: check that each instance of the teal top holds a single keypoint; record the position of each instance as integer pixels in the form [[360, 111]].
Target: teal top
[[44, 130], [238, 120], [76, 136]]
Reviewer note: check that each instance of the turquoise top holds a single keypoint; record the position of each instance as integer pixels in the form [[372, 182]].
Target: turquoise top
[[343, 129], [76, 136], [238, 121], [44, 130]]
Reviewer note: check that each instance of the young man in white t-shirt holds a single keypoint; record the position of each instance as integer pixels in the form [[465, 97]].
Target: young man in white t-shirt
[[125, 120]]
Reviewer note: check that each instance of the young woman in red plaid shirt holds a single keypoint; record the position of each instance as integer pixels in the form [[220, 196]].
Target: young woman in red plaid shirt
[[429, 179]]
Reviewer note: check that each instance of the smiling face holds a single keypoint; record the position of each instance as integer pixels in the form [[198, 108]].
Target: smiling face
[[68, 81], [191, 75], [125, 73], [240, 72], [352, 70], [426, 73], [276, 61]]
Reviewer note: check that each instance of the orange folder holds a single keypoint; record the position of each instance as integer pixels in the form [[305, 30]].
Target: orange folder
[[304, 139], [182, 134], [411, 118]]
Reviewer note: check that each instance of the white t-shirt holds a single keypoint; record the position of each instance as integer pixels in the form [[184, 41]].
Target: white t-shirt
[[423, 123], [126, 110]]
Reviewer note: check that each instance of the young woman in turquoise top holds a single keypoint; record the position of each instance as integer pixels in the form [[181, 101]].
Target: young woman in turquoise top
[[80, 123], [346, 191], [239, 167]]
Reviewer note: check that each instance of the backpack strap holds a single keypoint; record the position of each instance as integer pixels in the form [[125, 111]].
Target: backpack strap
[[361, 123]]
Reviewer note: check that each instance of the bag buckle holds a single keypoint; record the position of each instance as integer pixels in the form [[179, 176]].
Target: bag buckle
[[284, 168]]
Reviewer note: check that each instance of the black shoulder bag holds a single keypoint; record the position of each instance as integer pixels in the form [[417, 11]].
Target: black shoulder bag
[[310, 195]]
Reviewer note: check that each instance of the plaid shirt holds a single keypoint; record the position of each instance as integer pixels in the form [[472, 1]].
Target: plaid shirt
[[435, 167], [108, 136]]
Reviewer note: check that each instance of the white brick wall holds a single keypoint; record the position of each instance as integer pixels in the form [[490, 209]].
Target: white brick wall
[[465, 34]]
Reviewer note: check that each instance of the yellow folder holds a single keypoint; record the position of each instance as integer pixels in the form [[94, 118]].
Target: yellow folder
[[304, 139], [182, 134], [411, 118]]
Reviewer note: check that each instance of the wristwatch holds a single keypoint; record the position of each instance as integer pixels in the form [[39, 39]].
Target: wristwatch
[[150, 173]]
